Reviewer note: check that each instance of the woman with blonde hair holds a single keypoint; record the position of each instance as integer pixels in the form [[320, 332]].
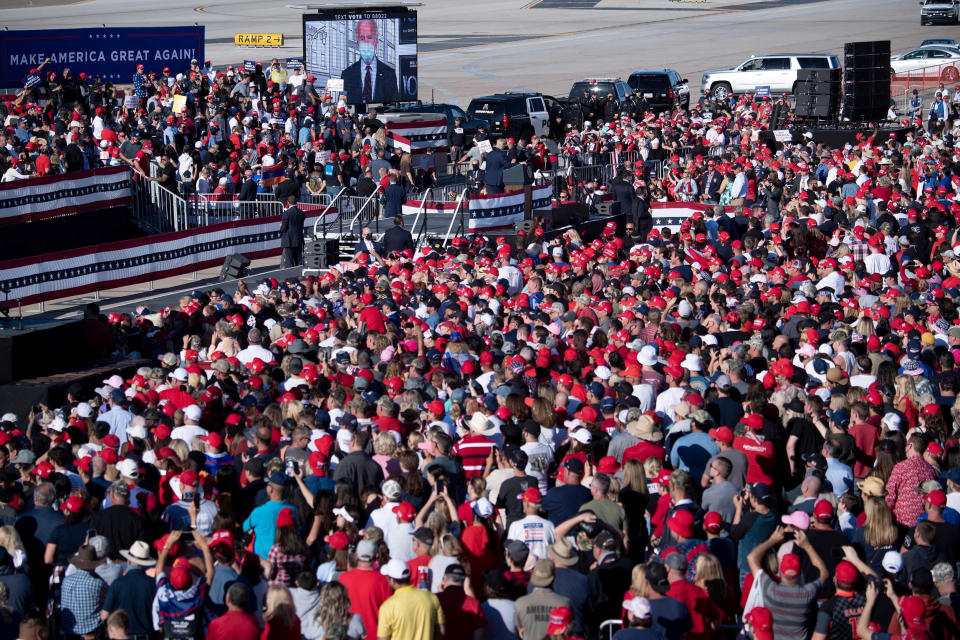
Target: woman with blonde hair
[[449, 551], [906, 401], [384, 448], [710, 578], [333, 610], [10, 540], [279, 615], [878, 534]]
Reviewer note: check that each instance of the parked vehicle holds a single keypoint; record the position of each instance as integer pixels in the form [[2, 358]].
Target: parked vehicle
[[929, 56], [777, 71], [661, 88], [513, 115], [939, 11]]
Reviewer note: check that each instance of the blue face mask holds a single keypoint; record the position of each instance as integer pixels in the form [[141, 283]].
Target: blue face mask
[[367, 51]]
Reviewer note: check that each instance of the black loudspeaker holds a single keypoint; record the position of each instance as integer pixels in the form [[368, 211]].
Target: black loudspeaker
[[235, 266], [517, 176], [866, 80], [321, 254]]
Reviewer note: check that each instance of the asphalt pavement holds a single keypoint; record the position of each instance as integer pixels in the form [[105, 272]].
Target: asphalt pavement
[[473, 48]]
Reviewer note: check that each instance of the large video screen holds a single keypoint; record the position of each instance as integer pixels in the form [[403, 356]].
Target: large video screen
[[373, 51]]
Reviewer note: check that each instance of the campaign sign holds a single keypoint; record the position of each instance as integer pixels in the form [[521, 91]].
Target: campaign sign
[[294, 63], [250, 65], [762, 91], [111, 53]]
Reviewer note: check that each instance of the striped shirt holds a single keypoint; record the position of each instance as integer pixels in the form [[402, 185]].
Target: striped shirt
[[792, 606], [473, 451]]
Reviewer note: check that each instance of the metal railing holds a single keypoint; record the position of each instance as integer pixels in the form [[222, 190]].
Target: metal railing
[[927, 81], [323, 216], [368, 210], [457, 215]]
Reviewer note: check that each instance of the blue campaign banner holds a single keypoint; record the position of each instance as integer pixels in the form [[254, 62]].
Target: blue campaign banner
[[111, 53], [762, 91], [250, 65], [294, 63]]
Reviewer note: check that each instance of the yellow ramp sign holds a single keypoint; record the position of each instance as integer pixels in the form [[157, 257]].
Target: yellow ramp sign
[[258, 39]]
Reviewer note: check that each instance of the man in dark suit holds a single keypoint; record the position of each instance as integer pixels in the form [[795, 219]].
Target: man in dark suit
[[248, 190], [397, 238], [291, 233], [369, 79], [710, 183], [622, 190], [393, 198], [496, 163], [368, 245]]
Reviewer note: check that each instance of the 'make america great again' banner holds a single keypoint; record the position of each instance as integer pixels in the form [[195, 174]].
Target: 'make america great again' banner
[[110, 53]]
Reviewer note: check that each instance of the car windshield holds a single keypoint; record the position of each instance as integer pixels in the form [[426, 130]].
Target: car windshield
[[486, 110], [600, 89], [650, 82]]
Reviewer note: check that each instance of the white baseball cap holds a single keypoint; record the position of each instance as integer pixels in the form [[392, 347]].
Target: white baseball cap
[[396, 569], [192, 412], [892, 562], [84, 410], [128, 469]]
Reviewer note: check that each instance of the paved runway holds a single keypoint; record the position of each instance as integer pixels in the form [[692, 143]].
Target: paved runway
[[472, 48]]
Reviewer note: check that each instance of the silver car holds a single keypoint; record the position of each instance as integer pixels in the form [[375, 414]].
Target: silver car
[[775, 71]]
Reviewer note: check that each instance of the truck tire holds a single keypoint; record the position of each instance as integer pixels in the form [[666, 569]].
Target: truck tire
[[721, 91]]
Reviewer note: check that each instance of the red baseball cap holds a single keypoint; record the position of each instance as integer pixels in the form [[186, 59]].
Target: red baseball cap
[[214, 440], [790, 565], [846, 574], [713, 522], [608, 465], [723, 434], [936, 497], [532, 495], [405, 511], [823, 511], [222, 538]]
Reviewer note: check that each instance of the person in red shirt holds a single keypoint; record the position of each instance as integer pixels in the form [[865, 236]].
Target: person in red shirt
[[643, 428], [474, 448], [367, 587], [422, 543], [705, 616], [866, 436], [236, 623], [761, 456], [371, 318], [463, 615]]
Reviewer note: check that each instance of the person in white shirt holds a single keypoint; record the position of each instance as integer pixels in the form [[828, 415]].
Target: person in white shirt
[[830, 277], [539, 455], [398, 534], [191, 426], [13, 173], [254, 338], [383, 517], [535, 532], [878, 261]]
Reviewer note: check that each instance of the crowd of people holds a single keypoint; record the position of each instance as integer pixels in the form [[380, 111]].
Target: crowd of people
[[743, 427]]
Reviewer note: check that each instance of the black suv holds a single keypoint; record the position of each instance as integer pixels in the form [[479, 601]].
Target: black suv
[[450, 111], [661, 88], [515, 115]]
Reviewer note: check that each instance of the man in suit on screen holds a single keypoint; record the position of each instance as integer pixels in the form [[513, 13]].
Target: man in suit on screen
[[369, 79]]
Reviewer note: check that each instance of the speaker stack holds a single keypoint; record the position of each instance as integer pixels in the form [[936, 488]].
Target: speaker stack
[[235, 266], [321, 254], [817, 93], [866, 80]]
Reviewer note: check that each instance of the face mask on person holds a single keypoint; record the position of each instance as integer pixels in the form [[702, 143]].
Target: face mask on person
[[367, 51]]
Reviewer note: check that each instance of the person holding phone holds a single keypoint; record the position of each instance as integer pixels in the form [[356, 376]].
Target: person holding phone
[[191, 510]]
